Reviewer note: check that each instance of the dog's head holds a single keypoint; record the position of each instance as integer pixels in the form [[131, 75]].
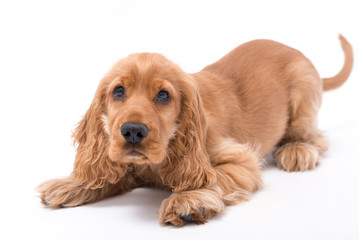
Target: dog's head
[[142, 105], [146, 111]]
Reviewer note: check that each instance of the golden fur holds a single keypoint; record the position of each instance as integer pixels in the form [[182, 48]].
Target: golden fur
[[206, 142]]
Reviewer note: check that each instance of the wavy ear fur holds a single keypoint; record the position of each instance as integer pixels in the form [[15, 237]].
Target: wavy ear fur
[[92, 167], [187, 165]]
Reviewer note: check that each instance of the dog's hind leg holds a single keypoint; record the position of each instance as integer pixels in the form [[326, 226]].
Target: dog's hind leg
[[303, 142]]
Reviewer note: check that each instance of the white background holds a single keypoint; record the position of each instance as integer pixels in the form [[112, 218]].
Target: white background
[[52, 56]]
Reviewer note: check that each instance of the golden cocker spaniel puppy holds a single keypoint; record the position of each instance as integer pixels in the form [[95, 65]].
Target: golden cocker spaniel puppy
[[200, 135]]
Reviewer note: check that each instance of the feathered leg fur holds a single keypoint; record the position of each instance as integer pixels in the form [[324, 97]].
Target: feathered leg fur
[[237, 177]]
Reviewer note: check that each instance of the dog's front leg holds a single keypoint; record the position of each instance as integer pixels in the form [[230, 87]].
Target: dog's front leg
[[237, 173], [191, 206], [69, 192]]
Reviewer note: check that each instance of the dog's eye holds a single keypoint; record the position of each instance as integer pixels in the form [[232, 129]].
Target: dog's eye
[[118, 93], [163, 97]]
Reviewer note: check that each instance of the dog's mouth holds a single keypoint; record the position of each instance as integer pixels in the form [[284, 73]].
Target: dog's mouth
[[134, 153]]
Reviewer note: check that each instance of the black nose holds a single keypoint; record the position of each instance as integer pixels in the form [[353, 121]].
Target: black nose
[[134, 132]]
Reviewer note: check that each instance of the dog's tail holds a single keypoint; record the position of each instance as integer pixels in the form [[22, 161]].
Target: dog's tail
[[342, 76]]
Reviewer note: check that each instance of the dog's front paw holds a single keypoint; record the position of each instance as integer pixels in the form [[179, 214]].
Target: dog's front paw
[[62, 193], [195, 206], [178, 210]]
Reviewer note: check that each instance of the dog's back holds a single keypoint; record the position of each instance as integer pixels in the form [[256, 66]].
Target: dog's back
[[275, 86]]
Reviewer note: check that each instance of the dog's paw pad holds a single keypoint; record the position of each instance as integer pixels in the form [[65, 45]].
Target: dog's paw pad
[[188, 218], [191, 217]]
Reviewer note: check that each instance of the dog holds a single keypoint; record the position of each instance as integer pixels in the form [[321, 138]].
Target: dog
[[201, 135]]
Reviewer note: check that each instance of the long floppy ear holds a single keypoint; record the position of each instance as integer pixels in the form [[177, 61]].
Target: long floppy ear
[[93, 168], [187, 165]]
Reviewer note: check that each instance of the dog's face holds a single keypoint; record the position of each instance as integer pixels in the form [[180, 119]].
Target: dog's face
[[146, 110], [142, 104]]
